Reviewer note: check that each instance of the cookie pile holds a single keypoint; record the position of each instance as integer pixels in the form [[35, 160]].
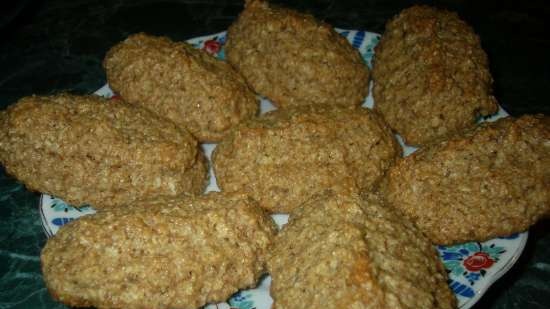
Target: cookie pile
[[363, 219]]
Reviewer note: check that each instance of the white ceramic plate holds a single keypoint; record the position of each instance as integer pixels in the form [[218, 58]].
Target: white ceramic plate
[[472, 267]]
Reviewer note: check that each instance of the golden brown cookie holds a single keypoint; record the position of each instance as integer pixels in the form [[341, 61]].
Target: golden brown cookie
[[165, 253], [89, 150], [491, 181], [431, 76], [284, 157], [293, 59], [339, 251], [179, 82]]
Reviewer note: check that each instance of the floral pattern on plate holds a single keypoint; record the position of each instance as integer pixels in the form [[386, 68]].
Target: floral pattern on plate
[[472, 267], [55, 213]]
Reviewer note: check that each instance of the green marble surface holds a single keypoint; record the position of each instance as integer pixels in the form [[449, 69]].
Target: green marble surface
[[48, 46], [21, 239]]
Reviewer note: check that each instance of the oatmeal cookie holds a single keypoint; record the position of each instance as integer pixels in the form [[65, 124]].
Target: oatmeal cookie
[[294, 59], [284, 157], [431, 76], [179, 82], [340, 251], [89, 150], [176, 253], [490, 181]]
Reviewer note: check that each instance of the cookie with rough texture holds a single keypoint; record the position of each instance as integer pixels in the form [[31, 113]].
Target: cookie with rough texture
[[179, 82], [431, 76], [491, 181], [284, 157], [340, 251], [165, 253], [89, 150], [293, 59]]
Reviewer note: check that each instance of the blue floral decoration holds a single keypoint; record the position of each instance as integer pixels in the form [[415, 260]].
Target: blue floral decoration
[[369, 53], [344, 33], [221, 39], [358, 39], [221, 53], [61, 221], [241, 300], [461, 289], [61, 206]]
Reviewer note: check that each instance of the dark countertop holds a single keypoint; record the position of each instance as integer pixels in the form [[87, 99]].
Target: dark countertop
[[58, 45]]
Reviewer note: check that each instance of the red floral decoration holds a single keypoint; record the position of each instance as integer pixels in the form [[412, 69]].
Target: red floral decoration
[[478, 261], [212, 47]]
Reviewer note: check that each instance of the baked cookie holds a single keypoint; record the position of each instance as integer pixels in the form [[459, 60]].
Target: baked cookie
[[284, 157], [339, 251], [490, 181], [179, 82], [90, 150], [294, 59], [165, 253], [431, 76]]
